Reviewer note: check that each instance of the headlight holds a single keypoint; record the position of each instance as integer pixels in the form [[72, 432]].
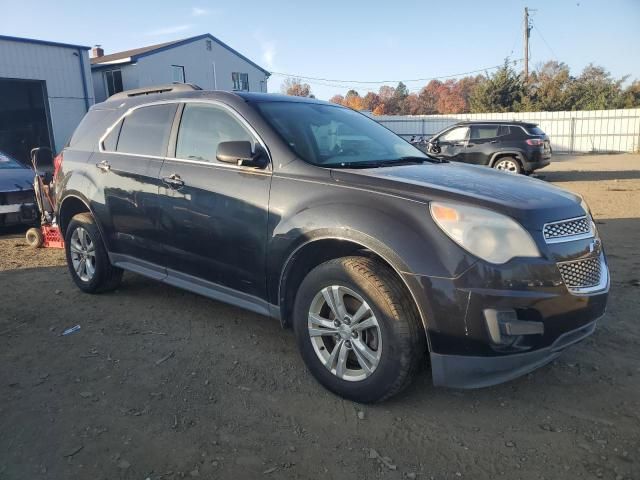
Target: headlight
[[486, 234]]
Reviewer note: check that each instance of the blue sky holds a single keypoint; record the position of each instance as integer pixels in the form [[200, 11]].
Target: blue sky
[[353, 40]]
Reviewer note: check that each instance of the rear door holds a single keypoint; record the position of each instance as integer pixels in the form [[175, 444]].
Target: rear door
[[214, 214], [128, 164], [484, 140], [453, 143]]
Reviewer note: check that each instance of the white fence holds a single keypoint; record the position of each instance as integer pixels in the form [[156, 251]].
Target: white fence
[[570, 132]]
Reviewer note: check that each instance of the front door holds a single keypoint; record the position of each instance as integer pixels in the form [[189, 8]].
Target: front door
[[127, 170], [214, 215], [453, 142]]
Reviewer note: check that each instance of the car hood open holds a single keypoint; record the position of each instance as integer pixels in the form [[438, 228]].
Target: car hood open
[[532, 202]]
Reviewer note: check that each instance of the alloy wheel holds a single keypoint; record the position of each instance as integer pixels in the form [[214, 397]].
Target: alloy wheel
[[83, 254], [508, 166], [345, 333]]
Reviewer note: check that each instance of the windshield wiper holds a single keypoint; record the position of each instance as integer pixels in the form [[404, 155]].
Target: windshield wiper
[[381, 163]]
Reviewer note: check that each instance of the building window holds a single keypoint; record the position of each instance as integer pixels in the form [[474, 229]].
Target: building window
[[113, 79], [178, 73], [208, 43], [240, 81]]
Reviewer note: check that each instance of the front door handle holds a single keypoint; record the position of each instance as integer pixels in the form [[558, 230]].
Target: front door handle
[[173, 180], [458, 144], [493, 141], [104, 166]]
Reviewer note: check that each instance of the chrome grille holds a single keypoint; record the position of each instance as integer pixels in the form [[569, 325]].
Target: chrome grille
[[566, 230], [581, 273]]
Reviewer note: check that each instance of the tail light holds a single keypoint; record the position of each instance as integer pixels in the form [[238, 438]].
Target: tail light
[[536, 142], [57, 165]]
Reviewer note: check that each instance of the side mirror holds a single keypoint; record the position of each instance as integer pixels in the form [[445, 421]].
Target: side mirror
[[240, 153]]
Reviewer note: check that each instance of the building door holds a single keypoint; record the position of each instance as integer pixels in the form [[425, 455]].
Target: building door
[[24, 117]]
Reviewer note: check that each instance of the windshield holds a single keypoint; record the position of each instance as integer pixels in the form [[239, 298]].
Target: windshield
[[331, 136], [7, 162]]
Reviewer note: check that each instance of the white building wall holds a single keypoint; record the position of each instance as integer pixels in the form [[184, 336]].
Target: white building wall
[[571, 132], [60, 68], [209, 69]]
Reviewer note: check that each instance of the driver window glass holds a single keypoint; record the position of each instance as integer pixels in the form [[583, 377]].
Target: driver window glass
[[480, 132], [455, 135], [203, 127]]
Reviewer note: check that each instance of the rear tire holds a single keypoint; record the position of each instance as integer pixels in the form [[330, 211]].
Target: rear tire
[[387, 344], [87, 257], [508, 164], [34, 237]]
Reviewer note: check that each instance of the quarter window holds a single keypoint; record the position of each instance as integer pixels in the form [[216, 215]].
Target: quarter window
[[177, 72], [203, 127], [113, 79], [455, 135], [240, 81], [145, 131], [111, 140]]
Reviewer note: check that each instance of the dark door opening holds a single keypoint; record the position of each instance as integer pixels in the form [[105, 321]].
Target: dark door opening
[[24, 118]]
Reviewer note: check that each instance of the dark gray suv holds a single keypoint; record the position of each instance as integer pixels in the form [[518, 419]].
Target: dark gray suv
[[515, 147], [378, 255]]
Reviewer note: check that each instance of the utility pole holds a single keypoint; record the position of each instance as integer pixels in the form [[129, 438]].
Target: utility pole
[[527, 31]]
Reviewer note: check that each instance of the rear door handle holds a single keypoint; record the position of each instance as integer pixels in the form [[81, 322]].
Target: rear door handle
[[493, 141], [104, 166], [173, 180]]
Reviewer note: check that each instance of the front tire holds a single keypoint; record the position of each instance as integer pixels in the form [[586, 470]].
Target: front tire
[[87, 257], [358, 330]]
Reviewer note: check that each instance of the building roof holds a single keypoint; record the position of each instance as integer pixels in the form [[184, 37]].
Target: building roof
[[130, 56], [42, 42]]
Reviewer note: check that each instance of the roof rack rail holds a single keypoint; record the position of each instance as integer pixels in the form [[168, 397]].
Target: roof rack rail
[[172, 87]]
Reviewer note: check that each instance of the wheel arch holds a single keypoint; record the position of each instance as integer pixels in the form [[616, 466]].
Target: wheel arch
[[71, 205], [324, 247], [508, 153]]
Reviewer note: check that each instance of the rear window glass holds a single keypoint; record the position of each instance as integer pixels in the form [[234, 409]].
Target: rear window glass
[[535, 131], [145, 131]]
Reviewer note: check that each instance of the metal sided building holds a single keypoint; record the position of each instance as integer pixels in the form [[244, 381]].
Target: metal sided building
[[45, 90], [202, 60]]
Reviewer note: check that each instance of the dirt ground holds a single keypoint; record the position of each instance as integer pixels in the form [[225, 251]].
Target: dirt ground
[[160, 383]]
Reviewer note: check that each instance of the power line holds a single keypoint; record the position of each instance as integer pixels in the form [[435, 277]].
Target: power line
[[377, 82], [545, 42]]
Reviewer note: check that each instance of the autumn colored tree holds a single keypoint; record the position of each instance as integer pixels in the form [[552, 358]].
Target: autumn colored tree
[[295, 87], [429, 96], [379, 110], [370, 101], [339, 99], [353, 100]]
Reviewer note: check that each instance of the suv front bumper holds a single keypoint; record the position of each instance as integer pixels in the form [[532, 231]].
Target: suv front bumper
[[544, 318], [461, 371]]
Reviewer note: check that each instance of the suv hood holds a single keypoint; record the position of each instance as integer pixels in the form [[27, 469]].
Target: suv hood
[[532, 202]]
